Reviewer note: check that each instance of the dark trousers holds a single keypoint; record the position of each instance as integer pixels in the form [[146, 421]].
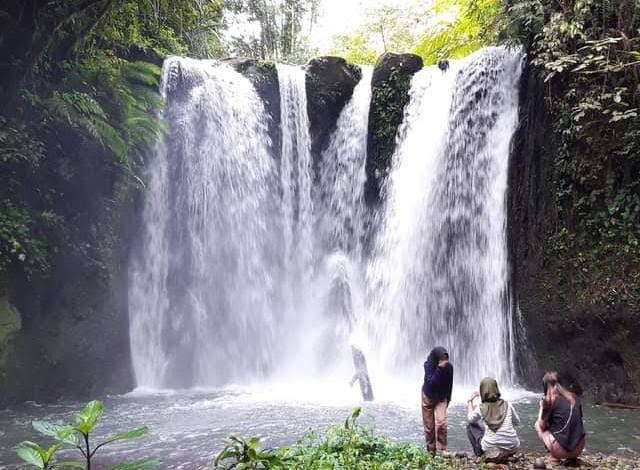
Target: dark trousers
[[475, 433]]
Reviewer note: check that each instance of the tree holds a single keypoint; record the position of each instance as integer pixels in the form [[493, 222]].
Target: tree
[[278, 31], [461, 27], [388, 28]]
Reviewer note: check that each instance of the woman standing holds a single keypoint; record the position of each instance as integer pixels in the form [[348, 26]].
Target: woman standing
[[436, 395], [499, 418], [559, 423]]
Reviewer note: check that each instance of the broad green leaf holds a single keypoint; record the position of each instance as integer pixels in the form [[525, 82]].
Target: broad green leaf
[[137, 465], [50, 451], [253, 442], [224, 454], [30, 455], [128, 435], [63, 433], [89, 416]]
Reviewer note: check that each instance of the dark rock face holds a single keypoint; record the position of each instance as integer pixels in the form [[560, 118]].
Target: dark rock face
[[390, 86], [330, 82], [264, 77], [596, 346], [74, 334]]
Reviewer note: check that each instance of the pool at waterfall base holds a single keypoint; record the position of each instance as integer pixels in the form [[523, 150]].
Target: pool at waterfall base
[[188, 427]]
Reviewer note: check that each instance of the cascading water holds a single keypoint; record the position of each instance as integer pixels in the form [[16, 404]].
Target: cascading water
[[439, 274], [232, 276], [252, 267], [342, 175], [205, 271]]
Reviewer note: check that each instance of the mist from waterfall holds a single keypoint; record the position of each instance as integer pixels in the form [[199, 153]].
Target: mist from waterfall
[[253, 266]]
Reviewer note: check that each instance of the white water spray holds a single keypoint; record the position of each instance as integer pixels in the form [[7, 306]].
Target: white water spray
[[253, 268], [440, 275]]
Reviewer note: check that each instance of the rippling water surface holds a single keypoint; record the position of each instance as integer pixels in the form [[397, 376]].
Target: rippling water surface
[[188, 428]]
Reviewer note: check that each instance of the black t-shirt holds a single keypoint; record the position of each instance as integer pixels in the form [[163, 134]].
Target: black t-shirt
[[565, 422]]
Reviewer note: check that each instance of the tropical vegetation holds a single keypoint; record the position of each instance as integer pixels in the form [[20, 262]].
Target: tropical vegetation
[[77, 436], [350, 445]]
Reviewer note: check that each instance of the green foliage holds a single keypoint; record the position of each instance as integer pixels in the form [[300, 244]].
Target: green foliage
[[463, 27], [165, 27], [246, 454], [388, 101], [355, 49], [78, 435], [282, 34], [36, 455], [350, 445], [387, 28], [588, 54], [20, 244], [112, 100]]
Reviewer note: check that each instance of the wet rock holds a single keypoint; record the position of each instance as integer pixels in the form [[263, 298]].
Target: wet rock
[[595, 340], [389, 95], [330, 82]]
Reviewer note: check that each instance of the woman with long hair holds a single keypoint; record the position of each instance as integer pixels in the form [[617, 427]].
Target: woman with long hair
[[436, 396], [559, 424], [491, 423]]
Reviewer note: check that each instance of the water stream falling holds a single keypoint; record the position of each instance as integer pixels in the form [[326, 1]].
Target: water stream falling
[[253, 268], [206, 268], [439, 274]]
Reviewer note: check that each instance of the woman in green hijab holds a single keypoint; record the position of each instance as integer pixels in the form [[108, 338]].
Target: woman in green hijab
[[492, 422]]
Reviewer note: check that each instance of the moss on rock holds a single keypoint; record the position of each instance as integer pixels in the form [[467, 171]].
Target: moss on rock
[[390, 86]]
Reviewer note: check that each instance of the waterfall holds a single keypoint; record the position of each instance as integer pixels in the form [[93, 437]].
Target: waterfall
[[204, 271], [439, 274], [342, 174], [295, 179], [231, 275], [252, 267]]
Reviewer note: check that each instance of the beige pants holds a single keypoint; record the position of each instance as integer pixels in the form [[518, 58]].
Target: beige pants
[[434, 420], [554, 447]]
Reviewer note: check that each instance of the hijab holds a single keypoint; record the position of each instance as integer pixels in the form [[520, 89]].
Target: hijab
[[493, 408]]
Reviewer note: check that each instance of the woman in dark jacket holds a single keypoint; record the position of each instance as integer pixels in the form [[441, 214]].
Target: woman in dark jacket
[[436, 395], [559, 423]]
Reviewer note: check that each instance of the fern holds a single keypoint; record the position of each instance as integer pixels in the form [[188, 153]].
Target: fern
[[111, 100]]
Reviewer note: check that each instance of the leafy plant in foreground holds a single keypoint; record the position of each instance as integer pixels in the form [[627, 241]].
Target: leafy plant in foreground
[[78, 435], [246, 454], [349, 445]]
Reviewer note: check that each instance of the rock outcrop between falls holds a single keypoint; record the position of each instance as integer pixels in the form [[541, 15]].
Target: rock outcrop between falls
[[330, 82], [390, 86]]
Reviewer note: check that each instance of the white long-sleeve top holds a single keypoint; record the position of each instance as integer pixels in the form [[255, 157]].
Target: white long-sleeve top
[[506, 437]]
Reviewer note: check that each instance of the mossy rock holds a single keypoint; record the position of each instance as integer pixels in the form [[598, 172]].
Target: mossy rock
[[390, 86]]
